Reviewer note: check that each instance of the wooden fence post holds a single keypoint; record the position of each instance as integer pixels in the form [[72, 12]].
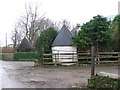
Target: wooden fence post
[[119, 56], [73, 56], [92, 60], [119, 63], [55, 60], [42, 60]]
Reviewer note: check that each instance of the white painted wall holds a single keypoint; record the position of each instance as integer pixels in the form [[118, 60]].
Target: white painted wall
[[119, 8], [64, 50]]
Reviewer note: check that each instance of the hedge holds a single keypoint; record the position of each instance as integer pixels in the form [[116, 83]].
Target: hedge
[[26, 56], [7, 56], [103, 82], [0, 56]]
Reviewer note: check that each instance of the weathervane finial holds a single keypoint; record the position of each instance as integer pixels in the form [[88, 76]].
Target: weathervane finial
[[64, 22]]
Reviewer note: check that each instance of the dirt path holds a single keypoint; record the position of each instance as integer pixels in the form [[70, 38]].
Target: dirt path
[[24, 75]]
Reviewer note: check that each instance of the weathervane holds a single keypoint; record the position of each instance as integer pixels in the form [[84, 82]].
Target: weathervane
[[64, 22]]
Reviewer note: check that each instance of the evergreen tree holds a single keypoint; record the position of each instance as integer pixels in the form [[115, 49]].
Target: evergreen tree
[[45, 40], [115, 27], [95, 32]]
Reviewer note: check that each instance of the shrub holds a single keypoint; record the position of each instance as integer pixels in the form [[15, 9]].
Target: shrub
[[103, 82], [0, 56], [7, 56], [26, 55], [45, 40]]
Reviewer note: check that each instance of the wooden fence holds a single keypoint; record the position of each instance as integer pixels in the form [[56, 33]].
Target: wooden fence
[[83, 57]]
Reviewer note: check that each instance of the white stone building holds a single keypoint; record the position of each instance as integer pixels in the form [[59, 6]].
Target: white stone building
[[62, 48]]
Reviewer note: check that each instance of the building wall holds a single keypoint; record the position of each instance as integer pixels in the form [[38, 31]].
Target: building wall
[[69, 53], [8, 50], [119, 7]]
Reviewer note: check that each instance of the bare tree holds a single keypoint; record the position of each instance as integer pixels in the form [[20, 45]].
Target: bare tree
[[17, 36], [32, 24]]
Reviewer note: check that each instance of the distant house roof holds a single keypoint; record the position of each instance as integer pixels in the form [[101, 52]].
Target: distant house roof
[[64, 37], [75, 30], [24, 45]]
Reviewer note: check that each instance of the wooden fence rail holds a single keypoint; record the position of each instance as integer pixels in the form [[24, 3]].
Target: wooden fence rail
[[83, 57]]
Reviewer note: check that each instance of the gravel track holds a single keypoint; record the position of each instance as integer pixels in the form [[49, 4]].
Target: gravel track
[[25, 75]]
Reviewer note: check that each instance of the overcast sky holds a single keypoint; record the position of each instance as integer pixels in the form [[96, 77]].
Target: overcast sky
[[75, 11]]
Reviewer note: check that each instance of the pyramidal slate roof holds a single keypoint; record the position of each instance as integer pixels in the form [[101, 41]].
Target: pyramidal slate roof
[[64, 37], [24, 44]]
